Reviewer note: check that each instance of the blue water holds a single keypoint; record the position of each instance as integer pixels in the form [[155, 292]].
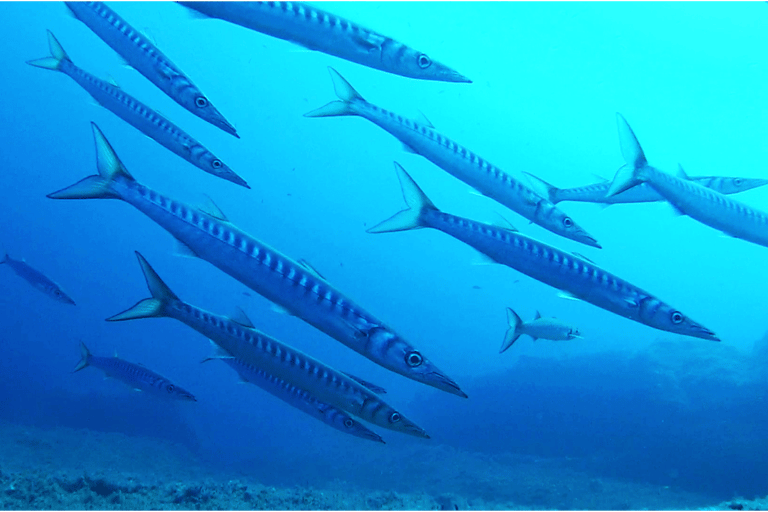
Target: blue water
[[641, 404]]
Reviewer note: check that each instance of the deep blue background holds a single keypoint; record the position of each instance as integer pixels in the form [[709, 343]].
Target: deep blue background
[[548, 78]]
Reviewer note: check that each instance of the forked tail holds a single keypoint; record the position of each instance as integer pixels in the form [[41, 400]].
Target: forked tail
[[513, 332], [85, 357], [346, 93], [412, 217]]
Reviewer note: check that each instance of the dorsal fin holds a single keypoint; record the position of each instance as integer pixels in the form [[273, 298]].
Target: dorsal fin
[[503, 223], [579, 255], [681, 173], [538, 315], [111, 80], [115, 354], [422, 119], [240, 318], [304, 263], [213, 210]]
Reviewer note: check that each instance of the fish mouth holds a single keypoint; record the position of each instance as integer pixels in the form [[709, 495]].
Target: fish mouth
[[237, 180], [441, 382], [705, 334], [457, 77], [372, 436], [415, 430], [588, 240]]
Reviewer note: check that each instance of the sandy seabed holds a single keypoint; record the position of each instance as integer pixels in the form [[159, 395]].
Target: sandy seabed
[[69, 469]]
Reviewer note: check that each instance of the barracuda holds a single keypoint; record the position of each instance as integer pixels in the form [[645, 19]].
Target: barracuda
[[37, 279], [295, 287], [642, 193], [456, 160], [137, 114], [139, 53], [322, 31], [134, 375], [301, 400], [687, 197], [241, 341], [564, 271]]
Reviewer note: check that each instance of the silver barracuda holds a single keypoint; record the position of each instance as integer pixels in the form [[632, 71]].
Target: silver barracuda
[[294, 286], [319, 30], [137, 114], [456, 160], [37, 279], [538, 328], [134, 375], [301, 400], [575, 275], [642, 193], [139, 53], [687, 197], [241, 341]]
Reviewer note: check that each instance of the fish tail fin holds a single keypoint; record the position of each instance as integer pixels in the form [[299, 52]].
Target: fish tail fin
[[629, 175], [98, 186], [544, 189], [5, 258], [58, 55], [85, 357], [411, 217], [346, 93], [513, 332], [148, 308]]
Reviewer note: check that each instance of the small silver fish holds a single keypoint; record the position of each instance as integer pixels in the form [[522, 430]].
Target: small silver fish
[[322, 31], [134, 375], [538, 328], [37, 279]]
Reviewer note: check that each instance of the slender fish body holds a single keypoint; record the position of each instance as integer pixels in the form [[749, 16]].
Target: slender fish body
[[134, 375], [137, 114], [642, 193], [301, 400], [37, 279], [565, 271], [139, 53], [322, 31], [238, 339], [538, 328], [292, 285], [686, 196], [457, 160]]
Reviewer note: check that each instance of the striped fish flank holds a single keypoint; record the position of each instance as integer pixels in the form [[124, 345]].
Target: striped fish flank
[[574, 275], [290, 284], [319, 30], [134, 375], [137, 114], [139, 53], [456, 160], [239, 339], [301, 400], [709, 207], [642, 193]]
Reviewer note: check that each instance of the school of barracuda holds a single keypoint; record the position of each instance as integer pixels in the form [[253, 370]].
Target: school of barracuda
[[334, 397]]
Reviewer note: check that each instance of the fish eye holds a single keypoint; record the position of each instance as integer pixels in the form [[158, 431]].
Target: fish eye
[[567, 222], [394, 417], [171, 388], [201, 102], [57, 293], [737, 182], [216, 164], [423, 61], [349, 423], [677, 317], [414, 359]]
